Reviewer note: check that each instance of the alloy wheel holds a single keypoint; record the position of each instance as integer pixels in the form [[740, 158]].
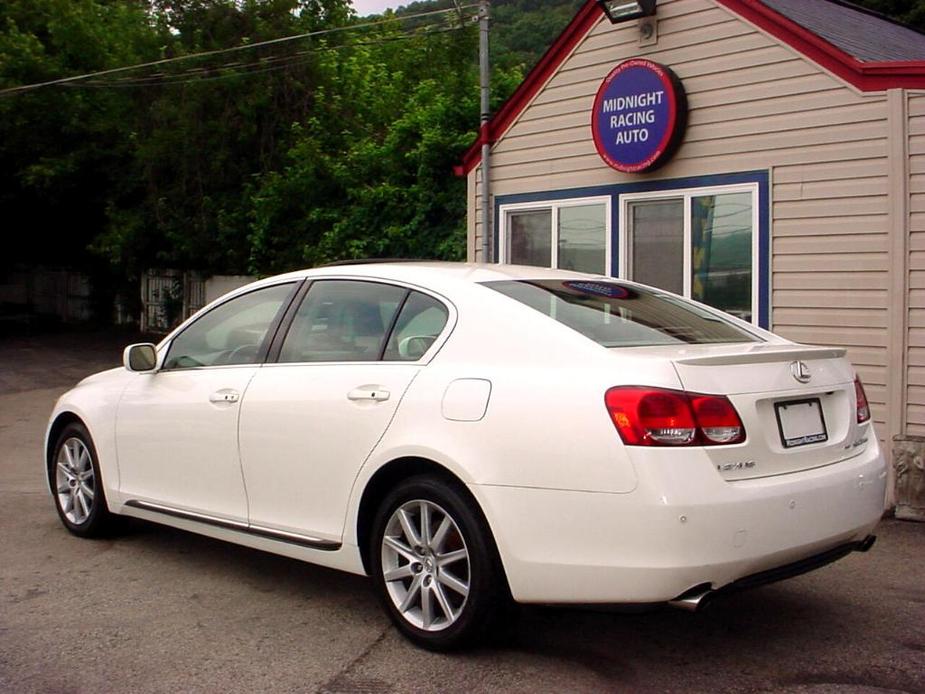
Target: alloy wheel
[[425, 565], [74, 480]]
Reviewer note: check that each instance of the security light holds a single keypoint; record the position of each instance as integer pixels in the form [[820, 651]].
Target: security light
[[625, 10]]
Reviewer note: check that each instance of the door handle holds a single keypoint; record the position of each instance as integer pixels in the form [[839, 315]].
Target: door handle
[[225, 395], [368, 393]]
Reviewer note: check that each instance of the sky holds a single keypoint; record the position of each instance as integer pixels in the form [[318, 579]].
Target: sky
[[365, 7]]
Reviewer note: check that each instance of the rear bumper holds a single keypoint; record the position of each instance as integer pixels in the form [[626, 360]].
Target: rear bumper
[[683, 527], [698, 597]]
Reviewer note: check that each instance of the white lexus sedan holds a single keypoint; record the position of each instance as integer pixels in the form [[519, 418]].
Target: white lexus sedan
[[468, 434]]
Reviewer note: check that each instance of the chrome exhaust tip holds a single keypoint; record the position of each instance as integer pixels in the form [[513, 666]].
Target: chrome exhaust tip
[[697, 599]]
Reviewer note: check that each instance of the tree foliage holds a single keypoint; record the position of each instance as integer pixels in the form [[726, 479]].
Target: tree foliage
[[260, 160], [63, 150], [909, 12]]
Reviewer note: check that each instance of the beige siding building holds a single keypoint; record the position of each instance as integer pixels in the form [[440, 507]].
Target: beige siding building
[[795, 199]]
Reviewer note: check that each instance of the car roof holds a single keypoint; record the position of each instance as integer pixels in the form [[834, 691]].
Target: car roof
[[430, 273]]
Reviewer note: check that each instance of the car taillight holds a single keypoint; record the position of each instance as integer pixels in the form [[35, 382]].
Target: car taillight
[[661, 417], [863, 410], [718, 421]]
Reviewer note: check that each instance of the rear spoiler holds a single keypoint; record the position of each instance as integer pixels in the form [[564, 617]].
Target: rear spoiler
[[766, 353]]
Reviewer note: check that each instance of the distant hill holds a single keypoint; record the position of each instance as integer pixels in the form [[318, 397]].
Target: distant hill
[[521, 30]]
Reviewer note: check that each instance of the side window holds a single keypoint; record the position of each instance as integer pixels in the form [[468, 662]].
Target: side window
[[569, 234], [420, 322], [231, 333], [342, 320]]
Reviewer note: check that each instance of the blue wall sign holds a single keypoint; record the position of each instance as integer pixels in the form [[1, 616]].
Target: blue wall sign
[[639, 116]]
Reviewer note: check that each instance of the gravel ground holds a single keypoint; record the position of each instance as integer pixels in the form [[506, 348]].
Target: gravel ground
[[160, 610]]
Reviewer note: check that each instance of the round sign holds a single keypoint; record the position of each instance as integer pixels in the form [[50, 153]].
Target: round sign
[[639, 116]]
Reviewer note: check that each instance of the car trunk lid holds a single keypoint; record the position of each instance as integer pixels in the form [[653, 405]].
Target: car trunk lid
[[797, 403]]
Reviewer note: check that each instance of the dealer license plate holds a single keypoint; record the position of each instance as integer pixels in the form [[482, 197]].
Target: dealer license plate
[[800, 422]]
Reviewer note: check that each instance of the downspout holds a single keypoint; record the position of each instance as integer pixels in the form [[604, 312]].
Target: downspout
[[484, 79]]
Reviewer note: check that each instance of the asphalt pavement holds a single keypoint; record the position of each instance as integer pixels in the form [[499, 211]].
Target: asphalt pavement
[[160, 610]]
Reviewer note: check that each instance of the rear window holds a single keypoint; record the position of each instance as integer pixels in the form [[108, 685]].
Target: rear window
[[619, 315]]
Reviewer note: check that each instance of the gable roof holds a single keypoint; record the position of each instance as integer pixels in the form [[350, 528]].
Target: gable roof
[[864, 48]]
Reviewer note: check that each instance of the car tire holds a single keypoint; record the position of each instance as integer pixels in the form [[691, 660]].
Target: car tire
[[435, 565], [76, 485]]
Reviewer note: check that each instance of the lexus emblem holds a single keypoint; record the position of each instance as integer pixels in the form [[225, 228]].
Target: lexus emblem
[[800, 371]]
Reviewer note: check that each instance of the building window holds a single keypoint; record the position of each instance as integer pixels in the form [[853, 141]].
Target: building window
[[701, 243], [565, 234]]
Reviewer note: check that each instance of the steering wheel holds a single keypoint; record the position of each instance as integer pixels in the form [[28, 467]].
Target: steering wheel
[[239, 355]]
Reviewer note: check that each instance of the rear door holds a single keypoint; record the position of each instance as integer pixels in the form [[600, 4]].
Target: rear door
[[314, 413]]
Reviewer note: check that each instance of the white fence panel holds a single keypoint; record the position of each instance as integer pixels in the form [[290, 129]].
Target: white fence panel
[[168, 297]]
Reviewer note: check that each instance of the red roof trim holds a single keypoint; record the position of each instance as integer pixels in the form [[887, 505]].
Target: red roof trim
[[865, 76]]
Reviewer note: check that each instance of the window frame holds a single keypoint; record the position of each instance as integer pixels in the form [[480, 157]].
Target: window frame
[[686, 195], [163, 349], [505, 210], [273, 353]]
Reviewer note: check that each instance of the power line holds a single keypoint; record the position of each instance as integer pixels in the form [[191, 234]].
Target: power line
[[244, 70], [284, 39], [282, 62]]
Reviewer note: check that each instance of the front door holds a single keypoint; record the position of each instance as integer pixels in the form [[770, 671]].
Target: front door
[[177, 429]]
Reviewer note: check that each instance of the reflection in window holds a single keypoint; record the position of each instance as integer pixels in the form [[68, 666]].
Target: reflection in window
[[618, 315], [582, 238], [342, 320], [721, 252], [231, 333], [420, 322]]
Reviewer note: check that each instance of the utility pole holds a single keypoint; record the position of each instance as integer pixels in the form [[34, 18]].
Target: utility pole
[[484, 79]]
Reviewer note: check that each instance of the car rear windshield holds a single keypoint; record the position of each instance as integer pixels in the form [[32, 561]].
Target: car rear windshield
[[620, 315]]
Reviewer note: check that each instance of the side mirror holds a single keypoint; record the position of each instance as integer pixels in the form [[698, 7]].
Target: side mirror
[[140, 357]]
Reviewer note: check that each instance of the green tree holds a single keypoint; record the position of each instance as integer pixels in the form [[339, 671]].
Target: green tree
[[909, 12], [208, 126], [62, 149], [369, 173], [258, 160]]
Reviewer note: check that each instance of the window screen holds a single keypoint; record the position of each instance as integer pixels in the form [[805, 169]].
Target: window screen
[[582, 238], [656, 232], [530, 238]]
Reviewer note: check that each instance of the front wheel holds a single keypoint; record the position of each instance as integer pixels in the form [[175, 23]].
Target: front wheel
[[74, 473], [435, 565]]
